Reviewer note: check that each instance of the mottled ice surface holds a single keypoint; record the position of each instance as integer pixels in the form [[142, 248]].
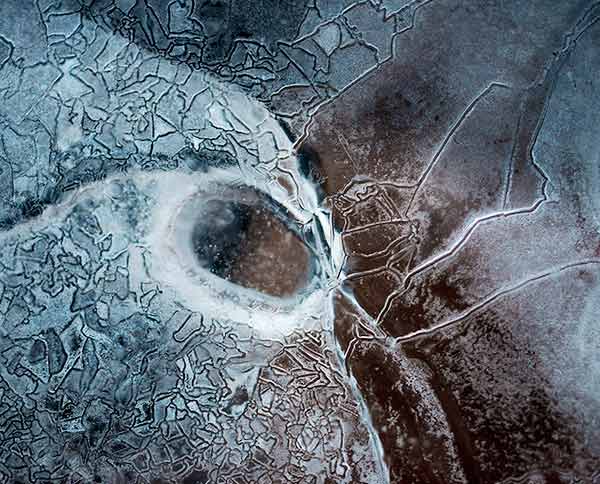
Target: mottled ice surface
[[315, 241]]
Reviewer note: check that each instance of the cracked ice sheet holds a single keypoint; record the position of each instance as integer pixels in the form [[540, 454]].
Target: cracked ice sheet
[[294, 56], [501, 271], [427, 109], [107, 373]]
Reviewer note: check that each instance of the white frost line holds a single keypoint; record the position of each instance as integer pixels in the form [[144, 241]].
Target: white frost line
[[492, 298], [452, 250]]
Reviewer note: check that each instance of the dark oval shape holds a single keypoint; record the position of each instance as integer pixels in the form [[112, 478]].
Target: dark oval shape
[[249, 241]]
